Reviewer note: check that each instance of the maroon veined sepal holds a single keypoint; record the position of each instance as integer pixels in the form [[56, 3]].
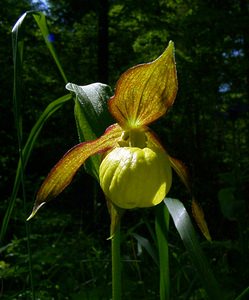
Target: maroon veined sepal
[[63, 172]]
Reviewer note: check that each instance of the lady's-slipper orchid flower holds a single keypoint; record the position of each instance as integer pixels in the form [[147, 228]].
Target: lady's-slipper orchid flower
[[136, 169]]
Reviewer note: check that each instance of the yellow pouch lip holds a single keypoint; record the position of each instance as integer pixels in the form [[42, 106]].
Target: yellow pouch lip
[[132, 177]]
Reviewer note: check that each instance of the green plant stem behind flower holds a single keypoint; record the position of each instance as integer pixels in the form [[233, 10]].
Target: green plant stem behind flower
[[116, 265]]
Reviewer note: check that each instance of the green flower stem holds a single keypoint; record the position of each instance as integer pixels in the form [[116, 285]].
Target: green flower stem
[[116, 265], [162, 227]]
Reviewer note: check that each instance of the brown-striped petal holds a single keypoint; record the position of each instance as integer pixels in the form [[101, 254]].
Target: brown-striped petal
[[63, 172]]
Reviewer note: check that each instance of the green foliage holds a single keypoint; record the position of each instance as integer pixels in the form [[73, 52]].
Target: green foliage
[[25, 151], [186, 231], [162, 229], [92, 116], [208, 130], [66, 262]]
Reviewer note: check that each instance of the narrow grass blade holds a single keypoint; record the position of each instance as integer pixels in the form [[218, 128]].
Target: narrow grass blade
[[146, 244], [185, 229], [41, 21], [162, 227], [24, 152], [27, 149], [243, 294]]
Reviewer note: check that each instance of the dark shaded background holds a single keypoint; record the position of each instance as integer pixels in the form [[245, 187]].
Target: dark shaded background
[[207, 129]]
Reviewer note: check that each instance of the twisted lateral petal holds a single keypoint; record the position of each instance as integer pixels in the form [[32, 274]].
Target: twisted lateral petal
[[152, 140], [200, 219], [197, 211], [181, 171], [63, 172], [178, 166], [145, 92]]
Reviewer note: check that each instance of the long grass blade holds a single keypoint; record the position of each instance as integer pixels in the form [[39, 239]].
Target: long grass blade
[[147, 245], [243, 294], [26, 152], [185, 228], [41, 21], [17, 94]]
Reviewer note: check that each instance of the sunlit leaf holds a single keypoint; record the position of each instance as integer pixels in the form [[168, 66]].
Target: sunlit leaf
[[63, 172], [91, 115], [145, 92], [41, 21], [198, 214], [91, 104], [187, 233]]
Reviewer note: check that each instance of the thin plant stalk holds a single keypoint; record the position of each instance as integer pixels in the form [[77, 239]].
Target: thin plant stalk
[[27, 229], [32, 284], [116, 265], [162, 227], [17, 97]]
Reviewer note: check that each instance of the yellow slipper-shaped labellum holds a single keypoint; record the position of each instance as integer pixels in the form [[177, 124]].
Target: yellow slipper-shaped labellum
[[135, 177]]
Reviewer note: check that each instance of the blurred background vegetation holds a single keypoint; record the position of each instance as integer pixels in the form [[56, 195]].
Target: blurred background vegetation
[[208, 129]]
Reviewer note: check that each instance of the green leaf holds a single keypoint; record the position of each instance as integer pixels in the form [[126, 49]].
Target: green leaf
[[185, 228], [26, 152], [41, 21], [243, 294], [231, 207], [162, 228], [92, 116], [146, 244]]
